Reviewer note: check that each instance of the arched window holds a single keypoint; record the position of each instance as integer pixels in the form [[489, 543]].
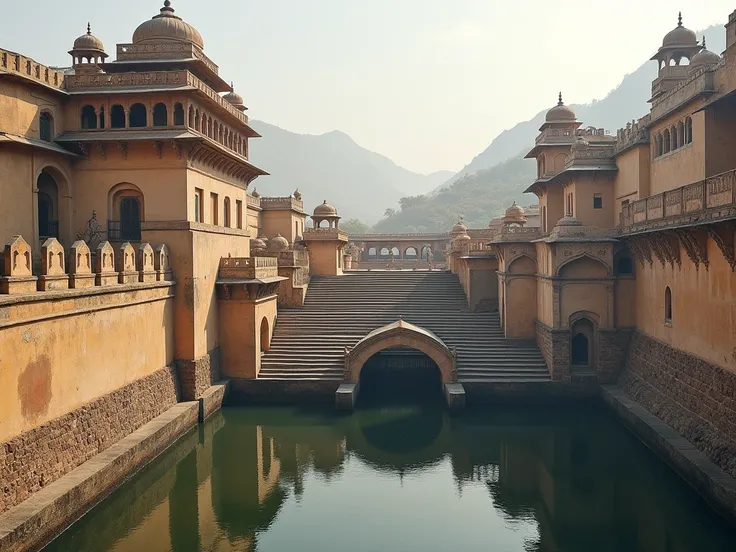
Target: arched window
[[196, 120], [46, 126], [160, 115], [117, 116], [582, 343], [209, 127], [89, 118], [540, 166], [226, 208], [675, 142], [203, 124], [138, 116], [667, 141], [48, 206], [191, 116], [372, 252], [668, 305], [681, 133], [127, 211], [688, 130], [265, 335], [178, 114], [659, 146]]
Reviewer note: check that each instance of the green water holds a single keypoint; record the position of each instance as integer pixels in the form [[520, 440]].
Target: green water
[[404, 479]]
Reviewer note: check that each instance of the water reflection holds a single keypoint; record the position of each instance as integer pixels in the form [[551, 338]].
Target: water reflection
[[403, 478]]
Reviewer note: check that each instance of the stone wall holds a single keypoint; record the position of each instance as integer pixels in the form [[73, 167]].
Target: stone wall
[[36, 458], [555, 347], [612, 348], [695, 397], [196, 376]]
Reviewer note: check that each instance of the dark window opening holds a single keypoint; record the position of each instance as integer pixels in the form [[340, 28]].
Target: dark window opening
[[102, 117], [46, 126], [117, 116], [89, 118], [178, 114], [625, 266], [668, 305], [160, 115], [138, 116], [597, 201]]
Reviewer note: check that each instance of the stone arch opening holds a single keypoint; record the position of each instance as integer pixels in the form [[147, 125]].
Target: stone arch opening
[[583, 266], [138, 116], [522, 265], [178, 114], [88, 118], [265, 335], [117, 116], [372, 252], [48, 205], [384, 252], [46, 126], [582, 344], [160, 115], [410, 253], [668, 305], [395, 251], [126, 212]]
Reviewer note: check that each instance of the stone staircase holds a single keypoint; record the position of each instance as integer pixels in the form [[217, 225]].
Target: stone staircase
[[309, 341]]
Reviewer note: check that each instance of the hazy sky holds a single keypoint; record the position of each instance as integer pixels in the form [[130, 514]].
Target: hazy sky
[[428, 83]]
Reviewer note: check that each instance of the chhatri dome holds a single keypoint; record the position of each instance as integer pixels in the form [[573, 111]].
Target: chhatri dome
[[89, 42], [679, 36], [325, 210], [459, 228], [279, 243], [235, 99], [704, 57], [560, 113], [515, 215], [167, 27]]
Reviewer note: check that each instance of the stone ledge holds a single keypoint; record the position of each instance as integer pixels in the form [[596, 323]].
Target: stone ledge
[[212, 399], [712, 483], [33, 523]]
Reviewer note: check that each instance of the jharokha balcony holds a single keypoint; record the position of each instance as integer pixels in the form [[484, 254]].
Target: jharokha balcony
[[710, 200]]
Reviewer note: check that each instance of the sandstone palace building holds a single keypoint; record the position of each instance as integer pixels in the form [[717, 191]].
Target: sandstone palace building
[[141, 280]]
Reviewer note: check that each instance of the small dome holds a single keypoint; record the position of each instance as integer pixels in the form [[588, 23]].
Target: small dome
[[236, 100], [89, 42], [515, 211], [257, 244], [560, 113], [325, 210], [279, 243], [704, 57], [167, 27], [464, 237], [459, 228], [679, 36]]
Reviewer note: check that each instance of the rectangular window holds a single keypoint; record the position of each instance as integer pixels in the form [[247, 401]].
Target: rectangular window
[[239, 213], [597, 201], [198, 205], [215, 218]]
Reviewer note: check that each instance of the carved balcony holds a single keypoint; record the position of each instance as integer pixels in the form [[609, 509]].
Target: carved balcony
[[710, 200]]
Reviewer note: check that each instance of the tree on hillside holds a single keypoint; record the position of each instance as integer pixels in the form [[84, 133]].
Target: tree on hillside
[[354, 226]]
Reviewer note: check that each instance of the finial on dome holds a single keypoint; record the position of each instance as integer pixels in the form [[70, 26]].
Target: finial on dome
[[679, 19], [167, 7], [704, 42], [232, 85], [89, 28]]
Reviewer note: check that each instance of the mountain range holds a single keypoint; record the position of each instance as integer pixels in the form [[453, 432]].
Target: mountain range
[[370, 187], [332, 167]]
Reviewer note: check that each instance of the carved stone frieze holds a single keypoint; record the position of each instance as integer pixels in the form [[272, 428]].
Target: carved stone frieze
[[665, 246]]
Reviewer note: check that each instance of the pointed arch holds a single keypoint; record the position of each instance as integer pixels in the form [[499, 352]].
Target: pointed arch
[[583, 265], [522, 264]]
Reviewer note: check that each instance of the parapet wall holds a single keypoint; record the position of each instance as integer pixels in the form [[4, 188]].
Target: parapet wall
[[80, 368]]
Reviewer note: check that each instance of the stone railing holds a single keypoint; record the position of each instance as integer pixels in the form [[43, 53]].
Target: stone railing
[[282, 203], [325, 234], [248, 267], [126, 80], [692, 85], [633, 133], [176, 50], [254, 201], [192, 80], [710, 199], [80, 267], [25, 67], [588, 156]]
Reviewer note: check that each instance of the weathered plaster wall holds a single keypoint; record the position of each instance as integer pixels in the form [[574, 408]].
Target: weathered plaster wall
[[584, 188], [79, 371], [324, 257], [240, 323], [21, 105], [521, 307], [703, 307], [632, 178], [683, 165]]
